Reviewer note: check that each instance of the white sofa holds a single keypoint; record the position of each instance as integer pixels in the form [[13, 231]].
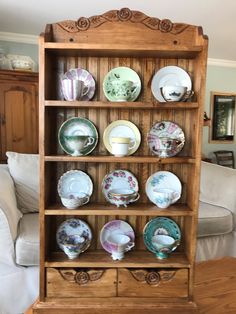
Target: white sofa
[[19, 239]]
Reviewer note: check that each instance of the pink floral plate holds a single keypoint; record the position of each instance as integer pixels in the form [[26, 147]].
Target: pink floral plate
[[165, 139], [119, 179], [86, 77], [115, 227]]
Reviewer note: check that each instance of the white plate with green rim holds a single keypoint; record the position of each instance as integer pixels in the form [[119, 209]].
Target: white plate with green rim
[[77, 126], [122, 84], [122, 128]]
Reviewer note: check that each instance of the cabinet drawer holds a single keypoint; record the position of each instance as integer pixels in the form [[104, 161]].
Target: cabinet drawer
[[153, 283], [82, 283]]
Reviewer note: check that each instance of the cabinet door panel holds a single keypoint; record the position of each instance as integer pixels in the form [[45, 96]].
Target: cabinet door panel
[[19, 118]]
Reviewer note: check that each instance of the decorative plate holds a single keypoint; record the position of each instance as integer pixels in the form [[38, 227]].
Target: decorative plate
[[122, 74], [165, 139], [115, 227], [122, 128], [162, 180], [77, 126], [86, 77], [160, 225], [74, 182], [74, 226], [169, 75], [119, 179]]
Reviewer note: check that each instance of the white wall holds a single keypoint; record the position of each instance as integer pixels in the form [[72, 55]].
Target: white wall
[[219, 79]]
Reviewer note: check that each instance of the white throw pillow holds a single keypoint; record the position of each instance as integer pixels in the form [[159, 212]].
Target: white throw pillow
[[24, 169], [8, 200]]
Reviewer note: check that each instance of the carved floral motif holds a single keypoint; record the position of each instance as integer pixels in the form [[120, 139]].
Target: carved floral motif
[[81, 277], [122, 15], [151, 277]]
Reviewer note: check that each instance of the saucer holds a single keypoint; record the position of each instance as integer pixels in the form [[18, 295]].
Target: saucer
[[122, 128], [86, 77], [162, 180], [74, 182], [77, 126], [166, 129], [74, 226], [122, 73], [115, 227], [169, 75], [157, 226]]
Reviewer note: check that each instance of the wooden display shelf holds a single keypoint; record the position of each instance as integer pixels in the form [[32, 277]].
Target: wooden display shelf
[[122, 105], [126, 159], [102, 259], [123, 50], [94, 209]]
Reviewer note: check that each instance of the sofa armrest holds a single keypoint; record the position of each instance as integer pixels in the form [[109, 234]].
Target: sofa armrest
[[9, 213], [217, 186]]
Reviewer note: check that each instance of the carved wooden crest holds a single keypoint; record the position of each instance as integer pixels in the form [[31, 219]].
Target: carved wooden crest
[[153, 278], [123, 15], [81, 277]]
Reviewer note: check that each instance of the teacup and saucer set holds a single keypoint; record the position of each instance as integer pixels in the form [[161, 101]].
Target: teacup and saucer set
[[117, 237], [161, 236], [78, 136], [120, 187], [122, 84], [77, 84], [171, 84], [163, 188]]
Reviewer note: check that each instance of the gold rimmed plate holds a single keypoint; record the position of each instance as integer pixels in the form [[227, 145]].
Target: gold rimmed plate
[[122, 128]]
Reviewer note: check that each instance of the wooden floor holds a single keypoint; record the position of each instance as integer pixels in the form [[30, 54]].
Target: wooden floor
[[215, 287]]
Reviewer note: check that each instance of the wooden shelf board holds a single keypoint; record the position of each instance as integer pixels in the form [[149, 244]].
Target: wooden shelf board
[[122, 105], [102, 49], [126, 159], [132, 210], [102, 259]]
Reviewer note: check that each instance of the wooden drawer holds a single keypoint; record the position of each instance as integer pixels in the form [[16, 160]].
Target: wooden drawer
[[82, 283], [153, 283]]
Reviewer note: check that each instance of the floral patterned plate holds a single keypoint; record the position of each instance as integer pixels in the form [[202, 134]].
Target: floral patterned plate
[[162, 180], [118, 179], [74, 226], [86, 77], [115, 227], [165, 139]]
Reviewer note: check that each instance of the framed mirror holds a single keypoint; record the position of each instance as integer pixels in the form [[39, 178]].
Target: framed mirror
[[222, 115]]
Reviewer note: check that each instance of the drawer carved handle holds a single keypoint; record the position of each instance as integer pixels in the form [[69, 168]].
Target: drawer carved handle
[[153, 278], [81, 277]]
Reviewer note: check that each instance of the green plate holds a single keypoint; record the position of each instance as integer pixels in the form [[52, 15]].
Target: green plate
[[122, 74], [77, 126], [160, 225]]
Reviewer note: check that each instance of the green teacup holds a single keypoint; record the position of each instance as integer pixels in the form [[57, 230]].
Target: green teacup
[[78, 142]]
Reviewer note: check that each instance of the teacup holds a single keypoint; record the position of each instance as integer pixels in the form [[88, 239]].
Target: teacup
[[165, 197], [123, 90], [119, 244], [175, 93], [74, 200], [121, 146], [166, 144], [78, 142], [73, 89], [164, 244], [73, 245], [122, 196]]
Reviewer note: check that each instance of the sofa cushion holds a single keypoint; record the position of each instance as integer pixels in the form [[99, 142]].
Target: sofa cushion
[[214, 220], [27, 242], [8, 203], [24, 169]]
